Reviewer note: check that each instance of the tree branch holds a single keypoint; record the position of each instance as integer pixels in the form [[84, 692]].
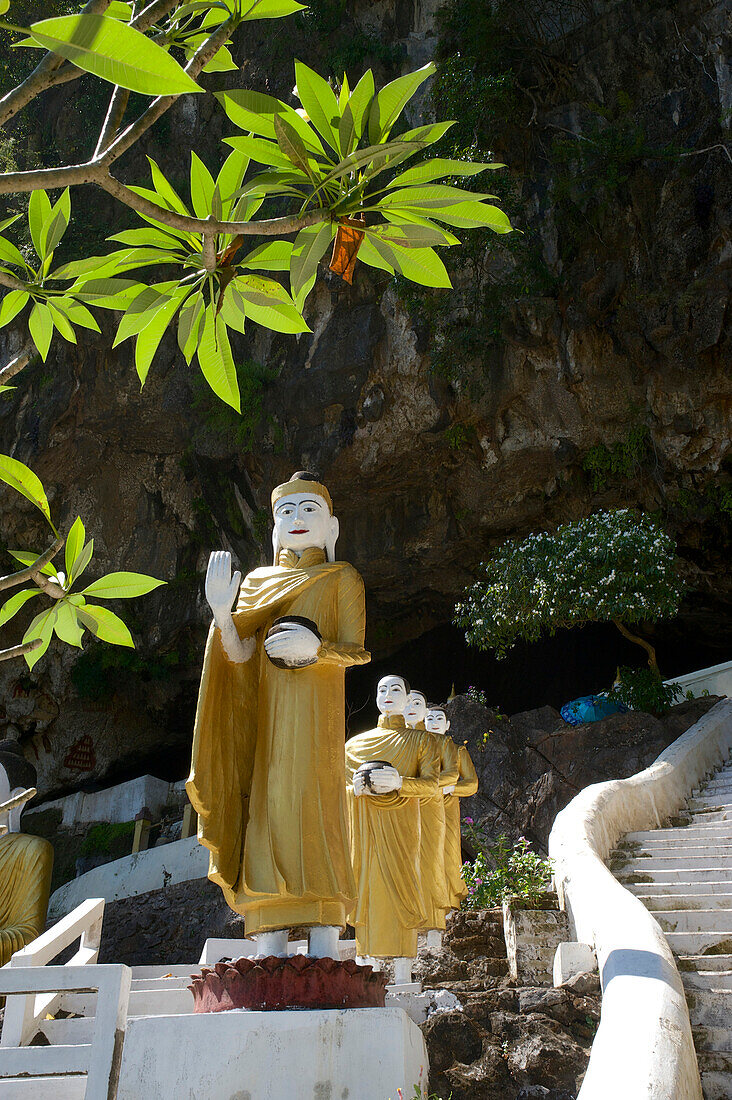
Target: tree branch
[[652, 664], [45, 178], [53, 69], [16, 364], [45, 73], [205, 52], [12, 580], [115, 113], [20, 650], [10, 282]]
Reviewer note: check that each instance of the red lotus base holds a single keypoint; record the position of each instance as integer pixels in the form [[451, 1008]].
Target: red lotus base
[[296, 982]]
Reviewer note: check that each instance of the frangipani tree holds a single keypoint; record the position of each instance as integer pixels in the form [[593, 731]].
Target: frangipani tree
[[616, 566], [333, 164], [73, 608]]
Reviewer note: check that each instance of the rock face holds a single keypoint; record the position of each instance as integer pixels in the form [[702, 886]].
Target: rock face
[[532, 764], [509, 1041], [440, 424]]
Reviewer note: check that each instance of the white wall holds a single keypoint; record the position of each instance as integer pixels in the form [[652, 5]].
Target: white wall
[[114, 804], [716, 680]]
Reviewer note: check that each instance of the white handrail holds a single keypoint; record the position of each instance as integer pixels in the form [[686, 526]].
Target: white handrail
[[643, 1048], [102, 1058], [22, 1013]]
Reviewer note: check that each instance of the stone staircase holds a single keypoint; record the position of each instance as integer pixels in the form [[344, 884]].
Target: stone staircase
[[683, 875]]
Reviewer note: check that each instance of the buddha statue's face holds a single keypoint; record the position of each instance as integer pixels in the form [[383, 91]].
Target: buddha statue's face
[[415, 709], [391, 695], [436, 721], [303, 520]]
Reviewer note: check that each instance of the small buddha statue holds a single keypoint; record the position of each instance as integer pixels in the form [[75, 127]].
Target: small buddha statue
[[26, 861], [432, 838], [384, 805], [437, 722], [267, 777]]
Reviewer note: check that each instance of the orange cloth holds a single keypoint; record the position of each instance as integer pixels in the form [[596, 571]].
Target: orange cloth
[[26, 863], [433, 836], [466, 785]]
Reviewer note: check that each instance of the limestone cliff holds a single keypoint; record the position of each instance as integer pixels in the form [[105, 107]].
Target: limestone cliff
[[581, 364]]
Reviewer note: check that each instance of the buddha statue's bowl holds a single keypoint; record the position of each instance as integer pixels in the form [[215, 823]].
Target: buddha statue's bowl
[[371, 766], [279, 625]]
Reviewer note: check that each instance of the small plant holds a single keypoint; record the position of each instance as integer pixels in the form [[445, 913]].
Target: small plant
[[476, 695], [502, 869], [643, 689], [108, 838]]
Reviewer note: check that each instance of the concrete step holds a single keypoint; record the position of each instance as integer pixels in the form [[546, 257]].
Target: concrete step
[[701, 817], [676, 850], [688, 890], [74, 1029], [683, 834], [709, 1007], [715, 1069], [706, 803], [704, 962], [173, 982], [691, 901], [695, 920], [674, 874], [712, 1038], [707, 979], [143, 1002], [699, 943], [177, 970], [682, 861], [43, 1088]]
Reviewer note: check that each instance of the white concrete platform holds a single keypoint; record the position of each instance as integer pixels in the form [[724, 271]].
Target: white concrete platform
[[358, 1054], [114, 804]]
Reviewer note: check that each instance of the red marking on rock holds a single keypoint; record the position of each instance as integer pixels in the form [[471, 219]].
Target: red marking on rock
[[296, 982], [81, 757]]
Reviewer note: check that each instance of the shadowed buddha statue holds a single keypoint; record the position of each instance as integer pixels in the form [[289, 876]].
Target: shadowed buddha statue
[[267, 776], [26, 861], [432, 833], [385, 828], [437, 722]]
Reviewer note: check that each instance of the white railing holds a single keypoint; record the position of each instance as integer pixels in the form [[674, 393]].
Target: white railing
[[643, 1048], [99, 1060], [23, 1012]]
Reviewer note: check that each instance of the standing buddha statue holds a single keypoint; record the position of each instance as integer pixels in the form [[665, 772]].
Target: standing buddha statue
[[437, 722], [267, 777]]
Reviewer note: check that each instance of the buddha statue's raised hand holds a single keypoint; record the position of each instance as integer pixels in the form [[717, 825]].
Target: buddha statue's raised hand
[[222, 590]]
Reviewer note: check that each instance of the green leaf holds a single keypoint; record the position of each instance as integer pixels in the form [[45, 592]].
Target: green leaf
[[40, 327], [115, 52], [10, 254], [190, 323], [107, 293], [57, 222], [268, 9], [165, 190], [107, 626], [141, 310], [438, 168], [372, 158], [216, 362], [148, 237], [60, 320], [273, 256], [74, 544], [413, 236], [260, 150], [230, 177], [150, 336], [76, 312], [254, 112], [420, 265], [115, 586], [7, 222], [320, 103], [12, 606], [472, 215], [434, 197], [11, 305], [90, 265], [119, 10], [310, 245], [39, 213], [267, 303], [231, 310], [428, 134], [202, 187], [21, 478], [25, 557], [355, 112], [221, 62], [368, 254], [85, 556], [291, 144], [41, 627], [392, 99], [67, 626]]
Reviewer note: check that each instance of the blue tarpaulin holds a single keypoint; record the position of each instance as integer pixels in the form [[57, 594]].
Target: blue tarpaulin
[[591, 708]]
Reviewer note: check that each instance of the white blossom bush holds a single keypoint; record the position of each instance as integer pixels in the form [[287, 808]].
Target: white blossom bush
[[617, 566]]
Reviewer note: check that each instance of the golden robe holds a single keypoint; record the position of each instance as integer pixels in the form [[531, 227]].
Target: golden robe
[[267, 777], [385, 832], [432, 839], [466, 785], [26, 863]]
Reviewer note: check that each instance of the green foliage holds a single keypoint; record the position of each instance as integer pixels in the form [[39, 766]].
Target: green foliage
[[501, 870], [108, 839], [623, 459], [459, 436], [643, 689], [253, 380], [613, 566], [71, 613], [99, 673]]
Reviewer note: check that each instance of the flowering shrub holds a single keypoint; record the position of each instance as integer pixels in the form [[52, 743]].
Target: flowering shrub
[[502, 870], [476, 695], [616, 566]]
